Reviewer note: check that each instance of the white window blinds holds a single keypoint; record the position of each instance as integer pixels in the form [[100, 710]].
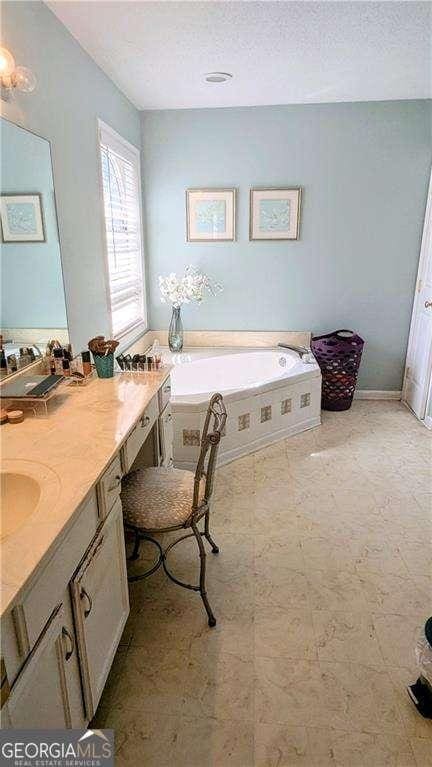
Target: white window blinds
[[121, 183]]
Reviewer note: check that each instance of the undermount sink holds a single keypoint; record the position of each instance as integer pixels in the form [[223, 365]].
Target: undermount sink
[[20, 496]]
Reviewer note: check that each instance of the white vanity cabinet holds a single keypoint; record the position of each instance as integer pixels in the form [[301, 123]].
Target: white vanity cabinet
[[61, 633], [101, 606], [47, 693]]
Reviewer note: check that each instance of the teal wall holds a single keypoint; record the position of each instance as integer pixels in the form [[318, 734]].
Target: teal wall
[[72, 93], [27, 302], [363, 168]]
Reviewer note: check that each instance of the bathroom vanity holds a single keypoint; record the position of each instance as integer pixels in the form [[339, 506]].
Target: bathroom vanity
[[64, 583]]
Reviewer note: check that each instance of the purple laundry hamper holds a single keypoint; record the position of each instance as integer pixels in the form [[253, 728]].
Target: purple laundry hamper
[[338, 354]]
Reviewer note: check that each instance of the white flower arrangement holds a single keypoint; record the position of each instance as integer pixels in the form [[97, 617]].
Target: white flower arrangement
[[183, 290]]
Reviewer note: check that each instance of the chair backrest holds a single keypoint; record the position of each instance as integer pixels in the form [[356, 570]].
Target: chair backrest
[[214, 425]]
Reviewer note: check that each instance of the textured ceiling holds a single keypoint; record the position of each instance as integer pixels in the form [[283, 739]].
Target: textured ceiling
[[278, 52]]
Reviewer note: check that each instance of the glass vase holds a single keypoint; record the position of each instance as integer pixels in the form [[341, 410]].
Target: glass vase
[[175, 332]]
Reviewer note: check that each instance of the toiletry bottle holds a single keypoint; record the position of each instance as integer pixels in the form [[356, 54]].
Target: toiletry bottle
[[142, 362], [58, 361], [86, 363], [66, 367], [12, 363]]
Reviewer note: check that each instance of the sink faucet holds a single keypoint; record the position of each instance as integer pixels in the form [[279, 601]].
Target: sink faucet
[[304, 352]]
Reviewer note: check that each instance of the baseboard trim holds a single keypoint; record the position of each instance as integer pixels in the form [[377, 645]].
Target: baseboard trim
[[376, 394]]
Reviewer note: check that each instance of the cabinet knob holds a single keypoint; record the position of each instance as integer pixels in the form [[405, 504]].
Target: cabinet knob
[[69, 637], [85, 595]]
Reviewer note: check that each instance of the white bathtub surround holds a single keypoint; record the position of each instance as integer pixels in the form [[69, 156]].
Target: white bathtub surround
[[269, 395]]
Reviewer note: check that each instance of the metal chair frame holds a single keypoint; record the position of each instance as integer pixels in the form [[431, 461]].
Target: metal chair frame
[[200, 509]]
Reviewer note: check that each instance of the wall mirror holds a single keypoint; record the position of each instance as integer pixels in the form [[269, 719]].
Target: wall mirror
[[33, 307]]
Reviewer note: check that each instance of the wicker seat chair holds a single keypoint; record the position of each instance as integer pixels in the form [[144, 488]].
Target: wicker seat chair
[[161, 500]]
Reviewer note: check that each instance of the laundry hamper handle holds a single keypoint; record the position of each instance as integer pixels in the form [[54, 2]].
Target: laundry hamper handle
[[333, 333]]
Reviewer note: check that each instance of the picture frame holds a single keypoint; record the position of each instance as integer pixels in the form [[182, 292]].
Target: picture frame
[[210, 215], [274, 213], [21, 218]]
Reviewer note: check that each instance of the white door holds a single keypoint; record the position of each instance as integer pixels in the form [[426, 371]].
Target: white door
[[419, 356], [100, 599], [47, 692]]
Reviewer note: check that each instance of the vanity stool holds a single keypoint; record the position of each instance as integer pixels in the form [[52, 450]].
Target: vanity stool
[[160, 500]]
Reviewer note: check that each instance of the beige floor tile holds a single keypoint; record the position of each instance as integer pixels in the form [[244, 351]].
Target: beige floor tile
[[218, 685], [394, 594], [143, 737], [277, 551], [378, 556], [358, 697], [338, 590], [422, 749], [281, 588], [288, 692], [417, 555], [144, 685], [346, 636], [209, 742], [320, 551], [232, 512], [281, 746], [338, 748], [284, 634], [397, 637]]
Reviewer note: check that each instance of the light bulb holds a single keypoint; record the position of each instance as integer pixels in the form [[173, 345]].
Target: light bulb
[[24, 80], [7, 63]]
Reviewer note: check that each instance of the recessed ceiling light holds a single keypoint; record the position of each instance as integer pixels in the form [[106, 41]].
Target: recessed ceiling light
[[217, 77]]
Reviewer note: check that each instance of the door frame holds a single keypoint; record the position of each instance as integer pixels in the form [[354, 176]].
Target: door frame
[[424, 255]]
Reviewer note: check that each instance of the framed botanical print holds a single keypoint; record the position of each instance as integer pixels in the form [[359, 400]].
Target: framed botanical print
[[22, 218], [275, 214], [210, 215]]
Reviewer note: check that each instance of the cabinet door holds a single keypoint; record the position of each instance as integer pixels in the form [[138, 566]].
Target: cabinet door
[[166, 437], [47, 692], [101, 605]]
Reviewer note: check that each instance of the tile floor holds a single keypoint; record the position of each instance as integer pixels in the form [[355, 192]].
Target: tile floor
[[321, 588]]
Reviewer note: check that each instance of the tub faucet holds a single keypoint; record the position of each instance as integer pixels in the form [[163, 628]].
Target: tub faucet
[[304, 352]]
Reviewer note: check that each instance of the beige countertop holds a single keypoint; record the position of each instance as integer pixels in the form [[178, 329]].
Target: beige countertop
[[70, 449]]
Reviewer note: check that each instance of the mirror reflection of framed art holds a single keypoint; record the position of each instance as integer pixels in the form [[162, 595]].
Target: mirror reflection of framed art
[[22, 218]]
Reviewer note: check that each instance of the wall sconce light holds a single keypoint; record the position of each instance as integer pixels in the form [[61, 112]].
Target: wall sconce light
[[13, 77]]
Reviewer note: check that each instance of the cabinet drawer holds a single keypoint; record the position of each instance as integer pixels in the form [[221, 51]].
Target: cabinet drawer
[[140, 433], [46, 592], [109, 487], [164, 394]]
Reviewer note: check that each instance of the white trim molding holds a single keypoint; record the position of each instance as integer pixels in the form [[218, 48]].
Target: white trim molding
[[376, 394]]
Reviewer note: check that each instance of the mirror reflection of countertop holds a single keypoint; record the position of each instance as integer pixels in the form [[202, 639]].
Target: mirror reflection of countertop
[[65, 454]]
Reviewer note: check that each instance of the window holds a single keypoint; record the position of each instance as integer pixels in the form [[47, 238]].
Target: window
[[121, 185]]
